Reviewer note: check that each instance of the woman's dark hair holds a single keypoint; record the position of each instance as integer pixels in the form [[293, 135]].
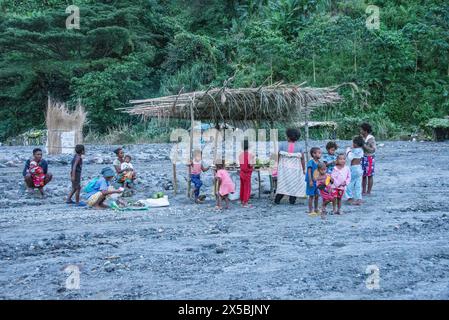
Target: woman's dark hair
[[219, 165], [366, 127], [331, 144], [293, 134], [116, 151], [79, 148], [37, 150], [313, 150], [245, 145], [358, 141]]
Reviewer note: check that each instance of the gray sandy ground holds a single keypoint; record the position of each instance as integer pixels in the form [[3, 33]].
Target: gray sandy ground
[[192, 252]]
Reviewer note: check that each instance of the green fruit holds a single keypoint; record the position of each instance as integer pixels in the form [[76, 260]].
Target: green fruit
[[160, 194], [154, 196]]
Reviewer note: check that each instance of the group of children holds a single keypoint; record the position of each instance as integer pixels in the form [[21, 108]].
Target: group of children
[[331, 177], [224, 184], [348, 174]]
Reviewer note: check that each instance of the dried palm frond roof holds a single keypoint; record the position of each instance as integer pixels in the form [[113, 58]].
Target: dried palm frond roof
[[276, 102]]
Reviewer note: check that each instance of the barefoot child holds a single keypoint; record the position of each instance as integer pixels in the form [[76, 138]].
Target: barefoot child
[[368, 161], [311, 189], [246, 160], [330, 157], [75, 176], [195, 174], [324, 185], [225, 186], [341, 176], [354, 157]]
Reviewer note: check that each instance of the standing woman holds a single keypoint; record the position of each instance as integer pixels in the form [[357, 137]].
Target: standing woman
[[291, 169], [368, 161]]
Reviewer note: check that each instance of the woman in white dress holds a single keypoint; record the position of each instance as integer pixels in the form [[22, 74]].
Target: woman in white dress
[[291, 169]]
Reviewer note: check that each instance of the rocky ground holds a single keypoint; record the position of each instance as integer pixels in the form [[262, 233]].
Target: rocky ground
[[188, 251]]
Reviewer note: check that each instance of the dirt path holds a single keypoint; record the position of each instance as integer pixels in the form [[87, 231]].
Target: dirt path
[[270, 252]]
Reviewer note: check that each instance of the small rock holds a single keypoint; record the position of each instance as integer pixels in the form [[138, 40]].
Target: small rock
[[108, 266], [338, 244], [219, 250]]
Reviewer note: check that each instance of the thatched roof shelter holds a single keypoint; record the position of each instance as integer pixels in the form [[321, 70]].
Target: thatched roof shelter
[[278, 102]]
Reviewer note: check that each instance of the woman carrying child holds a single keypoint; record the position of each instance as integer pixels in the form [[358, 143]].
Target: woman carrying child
[[368, 161], [121, 174], [354, 157]]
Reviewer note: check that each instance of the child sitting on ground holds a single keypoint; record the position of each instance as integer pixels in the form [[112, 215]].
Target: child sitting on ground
[[324, 185], [342, 177], [354, 157], [195, 175], [128, 172], [330, 157], [225, 186], [311, 189]]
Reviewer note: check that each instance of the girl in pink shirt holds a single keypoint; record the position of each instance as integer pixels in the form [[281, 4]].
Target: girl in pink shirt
[[225, 186], [341, 176]]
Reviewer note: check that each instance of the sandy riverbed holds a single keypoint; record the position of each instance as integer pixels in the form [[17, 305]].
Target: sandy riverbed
[[188, 251]]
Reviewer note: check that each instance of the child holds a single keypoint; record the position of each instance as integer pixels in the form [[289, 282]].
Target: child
[[341, 176], [330, 157], [128, 172], [225, 186], [311, 190], [75, 175], [324, 185], [246, 160], [354, 157], [195, 174], [368, 161], [37, 175]]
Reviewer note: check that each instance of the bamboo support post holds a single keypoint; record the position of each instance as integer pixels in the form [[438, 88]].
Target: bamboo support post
[[306, 127]]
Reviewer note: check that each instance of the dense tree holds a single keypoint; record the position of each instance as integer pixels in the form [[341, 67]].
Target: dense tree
[[142, 48]]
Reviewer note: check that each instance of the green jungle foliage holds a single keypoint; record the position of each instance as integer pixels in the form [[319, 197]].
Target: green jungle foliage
[[128, 49]]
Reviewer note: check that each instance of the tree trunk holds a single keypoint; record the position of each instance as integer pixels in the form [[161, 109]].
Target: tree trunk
[[313, 65]]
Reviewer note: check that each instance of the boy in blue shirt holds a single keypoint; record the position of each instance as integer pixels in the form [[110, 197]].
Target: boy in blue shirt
[[311, 189]]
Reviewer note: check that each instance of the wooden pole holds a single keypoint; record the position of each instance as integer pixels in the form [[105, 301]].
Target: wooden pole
[[217, 127], [175, 181], [192, 122], [306, 128]]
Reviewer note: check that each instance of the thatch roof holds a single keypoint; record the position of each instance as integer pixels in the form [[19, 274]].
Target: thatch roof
[[277, 102]]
